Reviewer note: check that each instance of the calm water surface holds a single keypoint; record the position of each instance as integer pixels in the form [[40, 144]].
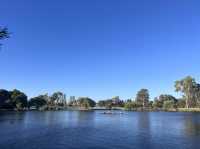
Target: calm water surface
[[93, 130]]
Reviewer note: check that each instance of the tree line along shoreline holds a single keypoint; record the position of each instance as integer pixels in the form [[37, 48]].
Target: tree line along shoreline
[[189, 102]]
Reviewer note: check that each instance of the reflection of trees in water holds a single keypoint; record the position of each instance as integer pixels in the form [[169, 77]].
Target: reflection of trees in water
[[144, 129], [18, 116], [85, 117], [12, 117], [143, 121], [86, 124], [49, 117], [192, 125]]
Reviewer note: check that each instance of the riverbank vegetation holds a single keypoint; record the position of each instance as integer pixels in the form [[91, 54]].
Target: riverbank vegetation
[[190, 101], [17, 100]]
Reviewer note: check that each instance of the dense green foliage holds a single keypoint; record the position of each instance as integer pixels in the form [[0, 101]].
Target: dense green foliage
[[190, 99], [19, 99], [5, 101], [86, 102], [57, 98], [159, 101], [3, 33], [109, 103], [189, 88], [105, 103], [168, 104], [38, 101], [142, 98], [130, 105], [13, 99]]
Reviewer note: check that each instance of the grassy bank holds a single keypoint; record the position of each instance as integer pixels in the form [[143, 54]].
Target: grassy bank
[[188, 110], [164, 110]]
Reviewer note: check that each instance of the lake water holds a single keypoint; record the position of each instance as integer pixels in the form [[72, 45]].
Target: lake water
[[93, 130]]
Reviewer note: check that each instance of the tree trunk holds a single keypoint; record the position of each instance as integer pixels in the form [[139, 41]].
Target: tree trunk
[[143, 105], [187, 102]]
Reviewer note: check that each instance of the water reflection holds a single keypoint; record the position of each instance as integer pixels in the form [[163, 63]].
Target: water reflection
[[12, 117], [83, 130], [144, 129], [192, 125], [144, 121], [84, 116]]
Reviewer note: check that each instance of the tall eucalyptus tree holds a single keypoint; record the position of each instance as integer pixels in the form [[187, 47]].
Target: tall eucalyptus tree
[[187, 86]]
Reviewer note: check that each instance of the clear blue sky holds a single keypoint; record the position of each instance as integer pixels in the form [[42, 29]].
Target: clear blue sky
[[99, 48]]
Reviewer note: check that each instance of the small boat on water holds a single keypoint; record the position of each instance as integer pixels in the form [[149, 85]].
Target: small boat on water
[[111, 112]]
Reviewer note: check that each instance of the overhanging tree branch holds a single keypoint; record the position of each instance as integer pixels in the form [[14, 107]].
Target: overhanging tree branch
[[4, 33]]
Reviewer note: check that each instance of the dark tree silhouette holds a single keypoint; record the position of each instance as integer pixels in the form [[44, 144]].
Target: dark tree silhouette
[[4, 33]]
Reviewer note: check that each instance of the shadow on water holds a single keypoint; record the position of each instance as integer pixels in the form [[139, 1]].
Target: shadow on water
[[84, 116], [12, 117], [144, 129], [192, 125]]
